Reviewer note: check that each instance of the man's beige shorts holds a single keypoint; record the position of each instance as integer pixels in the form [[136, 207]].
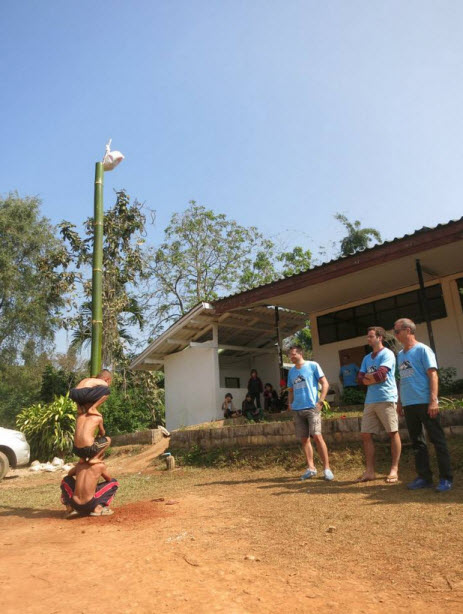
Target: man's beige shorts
[[379, 416]]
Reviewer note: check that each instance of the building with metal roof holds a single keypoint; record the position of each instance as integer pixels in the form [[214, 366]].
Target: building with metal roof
[[419, 276]]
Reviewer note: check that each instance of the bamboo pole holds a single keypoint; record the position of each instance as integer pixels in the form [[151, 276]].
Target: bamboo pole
[[97, 273]]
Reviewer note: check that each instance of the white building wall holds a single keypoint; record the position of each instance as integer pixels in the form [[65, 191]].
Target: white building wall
[[448, 333], [191, 384], [267, 369]]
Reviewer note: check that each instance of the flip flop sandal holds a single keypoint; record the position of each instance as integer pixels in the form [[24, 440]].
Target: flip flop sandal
[[392, 479]]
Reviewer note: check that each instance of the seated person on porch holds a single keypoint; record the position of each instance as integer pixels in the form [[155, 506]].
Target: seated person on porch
[[270, 399], [229, 410], [252, 413], [81, 492]]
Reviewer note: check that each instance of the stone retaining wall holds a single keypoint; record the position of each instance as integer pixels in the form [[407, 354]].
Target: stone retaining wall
[[282, 433], [141, 437]]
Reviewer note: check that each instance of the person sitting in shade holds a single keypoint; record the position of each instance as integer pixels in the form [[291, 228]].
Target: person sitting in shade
[[270, 398], [252, 413], [229, 410]]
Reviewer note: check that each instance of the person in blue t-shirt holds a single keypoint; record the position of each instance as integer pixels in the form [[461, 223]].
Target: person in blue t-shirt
[[306, 403], [348, 372], [419, 383], [377, 372]]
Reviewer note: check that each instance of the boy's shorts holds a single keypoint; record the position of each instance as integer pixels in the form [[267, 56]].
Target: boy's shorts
[[88, 396], [91, 451], [104, 494], [380, 416], [307, 422]]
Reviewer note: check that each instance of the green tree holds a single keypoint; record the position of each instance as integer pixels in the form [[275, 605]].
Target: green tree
[[206, 255], [357, 238], [55, 383], [33, 285], [124, 272], [295, 261]]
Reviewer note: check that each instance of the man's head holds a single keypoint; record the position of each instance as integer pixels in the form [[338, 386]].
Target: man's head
[[105, 375], [376, 336], [345, 359], [404, 328], [296, 354]]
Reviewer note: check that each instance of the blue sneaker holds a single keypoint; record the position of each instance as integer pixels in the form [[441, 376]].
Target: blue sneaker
[[310, 473], [444, 485], [419, 483], [328, 475]]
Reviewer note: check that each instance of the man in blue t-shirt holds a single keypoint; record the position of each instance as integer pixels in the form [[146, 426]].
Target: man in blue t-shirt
[[348, 372], [377, 372], [419, 384], [306, 403]]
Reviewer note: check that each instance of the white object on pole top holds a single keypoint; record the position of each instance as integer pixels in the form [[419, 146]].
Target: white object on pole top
[[111, 158]]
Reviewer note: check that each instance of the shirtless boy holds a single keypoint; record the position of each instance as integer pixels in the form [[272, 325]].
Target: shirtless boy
[[91, 392], [86, 446], [82, 493]]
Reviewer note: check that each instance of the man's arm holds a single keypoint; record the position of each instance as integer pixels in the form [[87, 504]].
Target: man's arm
[[433, 408], [377, 377], [324, 391], [290, 398]]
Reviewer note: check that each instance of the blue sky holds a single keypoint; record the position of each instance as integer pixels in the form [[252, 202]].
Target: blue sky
[[277, 112]]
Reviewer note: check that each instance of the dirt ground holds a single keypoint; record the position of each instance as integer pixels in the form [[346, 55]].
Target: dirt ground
[[231, 541]]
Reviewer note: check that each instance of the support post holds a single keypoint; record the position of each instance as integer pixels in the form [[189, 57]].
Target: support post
[[280, 351], [97, 272], [424, 305]]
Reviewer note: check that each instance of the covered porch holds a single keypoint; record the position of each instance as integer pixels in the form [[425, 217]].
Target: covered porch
[[205, 355]]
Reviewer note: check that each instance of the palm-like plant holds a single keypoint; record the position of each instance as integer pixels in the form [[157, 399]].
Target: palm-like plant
[[357, 238]]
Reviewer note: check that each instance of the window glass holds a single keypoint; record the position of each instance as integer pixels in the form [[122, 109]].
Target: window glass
[[353, 322]]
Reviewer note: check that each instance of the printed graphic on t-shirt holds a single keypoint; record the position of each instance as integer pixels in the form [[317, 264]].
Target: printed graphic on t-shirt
[[372, 369], [299, 382], [406, 369]]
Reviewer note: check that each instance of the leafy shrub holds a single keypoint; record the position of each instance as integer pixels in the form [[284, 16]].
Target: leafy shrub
[[353, 396], [49, 428], [130, 410], [447, 382]]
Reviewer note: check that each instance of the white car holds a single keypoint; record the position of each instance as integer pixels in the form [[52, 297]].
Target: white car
[[14, 450]]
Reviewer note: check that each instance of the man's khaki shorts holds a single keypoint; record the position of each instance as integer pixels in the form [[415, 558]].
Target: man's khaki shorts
[[380, 416], [307, 422]]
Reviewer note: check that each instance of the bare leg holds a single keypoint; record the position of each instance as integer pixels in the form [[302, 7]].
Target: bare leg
[[396, 448], [308, 451], [322, 450], [369, 448]]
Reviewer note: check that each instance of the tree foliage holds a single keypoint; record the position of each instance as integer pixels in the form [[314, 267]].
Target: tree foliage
[[206, 255], [124, 271], [357, 238], [33, 285]]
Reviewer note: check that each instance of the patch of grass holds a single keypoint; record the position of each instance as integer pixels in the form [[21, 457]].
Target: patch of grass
[[210, 465]]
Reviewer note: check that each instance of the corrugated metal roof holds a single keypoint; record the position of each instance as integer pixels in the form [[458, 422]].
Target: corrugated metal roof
[[242, 331], [319, 267]]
